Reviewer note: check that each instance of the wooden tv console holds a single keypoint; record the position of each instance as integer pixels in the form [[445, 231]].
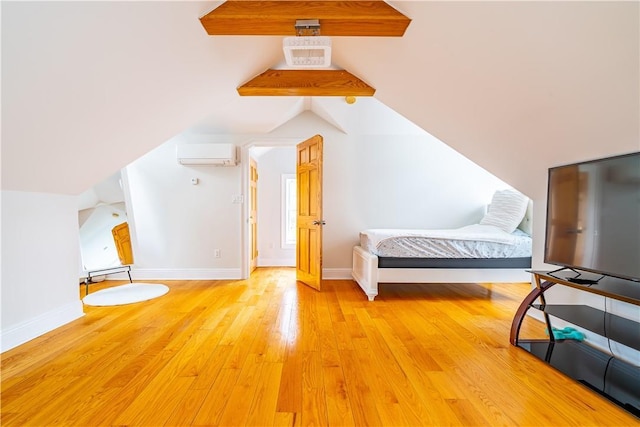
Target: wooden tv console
[[606, 373]]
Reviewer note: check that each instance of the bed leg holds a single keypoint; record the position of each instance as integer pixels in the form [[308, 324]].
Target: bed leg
[[365, 271]]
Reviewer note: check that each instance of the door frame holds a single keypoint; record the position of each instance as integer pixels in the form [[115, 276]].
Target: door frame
[[245, 232], [252, 201]]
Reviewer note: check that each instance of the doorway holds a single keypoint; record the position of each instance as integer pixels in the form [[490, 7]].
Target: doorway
[[271, 173], [269, 240]]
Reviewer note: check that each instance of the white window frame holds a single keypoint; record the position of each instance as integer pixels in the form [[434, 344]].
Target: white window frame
[[285, 179]]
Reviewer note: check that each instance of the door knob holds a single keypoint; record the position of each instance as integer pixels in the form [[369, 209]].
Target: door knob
[[319, 222]]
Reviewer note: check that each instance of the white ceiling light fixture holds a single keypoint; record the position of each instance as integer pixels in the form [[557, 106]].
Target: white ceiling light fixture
[[307, 49]]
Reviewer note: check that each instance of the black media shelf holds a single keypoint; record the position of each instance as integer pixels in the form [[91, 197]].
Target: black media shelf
[[616, 328], [610, 375], [612, 287], [613, 378]]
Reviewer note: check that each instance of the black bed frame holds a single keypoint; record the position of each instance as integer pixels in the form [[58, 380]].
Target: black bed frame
[[388, 262]]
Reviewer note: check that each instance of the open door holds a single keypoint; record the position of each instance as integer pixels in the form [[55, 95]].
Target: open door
[[309, 223], [253, 214]]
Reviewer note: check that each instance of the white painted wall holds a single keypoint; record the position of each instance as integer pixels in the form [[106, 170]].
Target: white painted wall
[[416, 182], [390, 181], [271, 166], [178, 225], [40, 253], [369, 181]]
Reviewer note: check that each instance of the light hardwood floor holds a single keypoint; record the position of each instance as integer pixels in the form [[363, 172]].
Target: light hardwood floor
[[269, 351]]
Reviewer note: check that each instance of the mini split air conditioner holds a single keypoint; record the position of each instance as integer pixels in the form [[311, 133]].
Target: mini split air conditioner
[[207, 154]]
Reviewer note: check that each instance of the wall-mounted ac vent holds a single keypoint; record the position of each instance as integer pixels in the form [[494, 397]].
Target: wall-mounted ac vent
[[207, 154]]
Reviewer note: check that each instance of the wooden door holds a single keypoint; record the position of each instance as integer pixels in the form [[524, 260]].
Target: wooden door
[[253, 213], [122, 240], [309, 221]]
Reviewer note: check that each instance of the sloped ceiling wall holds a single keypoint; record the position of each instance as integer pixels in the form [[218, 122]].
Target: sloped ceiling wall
[[516, 87], [89, 87]]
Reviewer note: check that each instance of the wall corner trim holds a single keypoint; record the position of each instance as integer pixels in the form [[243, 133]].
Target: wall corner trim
[[16, 335]]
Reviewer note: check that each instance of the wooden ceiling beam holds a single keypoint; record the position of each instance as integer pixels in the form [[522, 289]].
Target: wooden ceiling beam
[[278, 18], [306, 83]]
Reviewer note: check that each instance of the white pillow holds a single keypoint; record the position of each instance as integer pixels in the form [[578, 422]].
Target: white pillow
[[506, 210], [526, 224]]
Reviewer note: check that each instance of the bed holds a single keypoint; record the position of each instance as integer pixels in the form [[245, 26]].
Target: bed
[[497, 249]]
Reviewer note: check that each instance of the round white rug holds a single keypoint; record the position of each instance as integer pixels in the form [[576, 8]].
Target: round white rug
[[126, 294]]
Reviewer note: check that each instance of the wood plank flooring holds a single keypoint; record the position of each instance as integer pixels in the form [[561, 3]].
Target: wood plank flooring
[[269, 351]]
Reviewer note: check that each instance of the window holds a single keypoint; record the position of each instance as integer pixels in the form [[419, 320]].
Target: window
[[289, 210]]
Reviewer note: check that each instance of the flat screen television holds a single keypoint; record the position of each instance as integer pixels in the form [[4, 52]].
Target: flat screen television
[[593, 216]]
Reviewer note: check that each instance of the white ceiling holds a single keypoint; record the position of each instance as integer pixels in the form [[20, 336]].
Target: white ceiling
[[89, 87], [264, 114]]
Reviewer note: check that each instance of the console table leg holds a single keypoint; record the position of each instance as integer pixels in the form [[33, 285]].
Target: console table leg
[[536, 293]]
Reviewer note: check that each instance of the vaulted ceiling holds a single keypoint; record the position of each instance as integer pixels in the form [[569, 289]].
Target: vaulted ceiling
[[88, 87]]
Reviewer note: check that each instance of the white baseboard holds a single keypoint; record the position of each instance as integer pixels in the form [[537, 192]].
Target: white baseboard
[[182, 274], [276, 262], [216, 273], [336, 274], [33, 328]]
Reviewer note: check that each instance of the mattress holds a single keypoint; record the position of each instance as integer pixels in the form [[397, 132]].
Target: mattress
[[472, 241]]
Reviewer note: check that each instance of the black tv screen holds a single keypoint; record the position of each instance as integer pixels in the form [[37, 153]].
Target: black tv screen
[[593, 216]]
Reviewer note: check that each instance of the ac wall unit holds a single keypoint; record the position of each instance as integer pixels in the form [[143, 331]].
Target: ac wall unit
[[207, 154]]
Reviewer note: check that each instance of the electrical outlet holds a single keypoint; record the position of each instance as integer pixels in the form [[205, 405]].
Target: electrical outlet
[[237, 199], [216, 253]]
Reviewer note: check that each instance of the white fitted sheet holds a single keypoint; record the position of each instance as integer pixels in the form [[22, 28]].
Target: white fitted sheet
[[472, 241]]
